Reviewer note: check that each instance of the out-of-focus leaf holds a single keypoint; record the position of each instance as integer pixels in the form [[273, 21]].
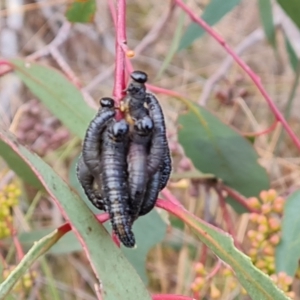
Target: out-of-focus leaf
[[67, 244], [288, 250], [258, 285], [217, 149], [60, 96], [81, 11], [39, 248], [19, 166], [292, 54], [118, 278], [213, 13], [266, 16], [292, 9], [149, 230]]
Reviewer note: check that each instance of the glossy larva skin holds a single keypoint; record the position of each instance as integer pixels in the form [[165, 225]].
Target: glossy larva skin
[[152, 191], [86, 179], [89, 165], [92, 144], [159, 150], [113, 178], [140, 139]]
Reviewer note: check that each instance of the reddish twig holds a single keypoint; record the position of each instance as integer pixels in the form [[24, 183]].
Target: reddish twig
[[5, 67], [226, 215], [238, 197], [170, 197], [119, 83], [171, 297], [256, 80], [18, 246], [265, 131], [66, 227], [215, 270]]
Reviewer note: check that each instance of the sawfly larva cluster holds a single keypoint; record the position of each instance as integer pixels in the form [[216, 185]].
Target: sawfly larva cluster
[[125, 164]]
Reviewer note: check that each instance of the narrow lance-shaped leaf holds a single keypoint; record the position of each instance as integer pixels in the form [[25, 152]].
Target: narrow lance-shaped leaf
[[118, 278], [292, 9], [266, 16], [217, 149], [258, 285], [213, 13], [288, 250], [60, 96]]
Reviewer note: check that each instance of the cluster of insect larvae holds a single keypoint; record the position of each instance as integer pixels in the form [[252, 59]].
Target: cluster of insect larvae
[[126, 163]]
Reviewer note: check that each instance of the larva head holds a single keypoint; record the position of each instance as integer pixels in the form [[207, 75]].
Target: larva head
[[120, 129], [139, 76], [107, 102], [136, 88], [144, 126]]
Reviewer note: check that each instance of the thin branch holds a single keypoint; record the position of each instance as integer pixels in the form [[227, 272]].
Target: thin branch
[[238, 197], [59, 39], [256, 80], [252, 39], [119, 82]]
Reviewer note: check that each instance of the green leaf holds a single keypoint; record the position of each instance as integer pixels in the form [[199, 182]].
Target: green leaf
[[213, 13], [217, 149], [292, 54], [150, 226], [81, 11], [258, 285], [118, 278], [266, 16], [39, 248], [149, 231], [288, 250], [19, 166], [292, 9], [60, 96]]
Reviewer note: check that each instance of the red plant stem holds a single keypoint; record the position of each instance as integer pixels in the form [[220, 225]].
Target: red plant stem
[[119, 85], [226, 215], [5, 67], [66, 227], [266, 131], [215, 270], [171, 297], [256, 80], [170, 197], [239, 198]]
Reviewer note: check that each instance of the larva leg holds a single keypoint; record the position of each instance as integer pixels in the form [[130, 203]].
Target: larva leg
[[113, 177], [86, 180], [92, 142]]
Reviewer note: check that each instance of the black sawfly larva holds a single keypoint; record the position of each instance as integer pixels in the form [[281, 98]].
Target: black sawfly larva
[[140, 138], [88, 167], [134, 103], [114, 185], [92, 143], [159, 149]]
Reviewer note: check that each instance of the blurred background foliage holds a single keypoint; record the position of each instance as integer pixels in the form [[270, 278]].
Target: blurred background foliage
[[223, 135]]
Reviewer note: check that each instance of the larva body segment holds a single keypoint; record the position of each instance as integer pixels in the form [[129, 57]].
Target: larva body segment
[[153, 188], [86, 180], [140, 138], [114, 186], [159, 149], [92, 144]]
